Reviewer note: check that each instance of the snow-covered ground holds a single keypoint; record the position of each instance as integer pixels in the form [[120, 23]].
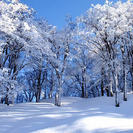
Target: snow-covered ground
[[96, 115]]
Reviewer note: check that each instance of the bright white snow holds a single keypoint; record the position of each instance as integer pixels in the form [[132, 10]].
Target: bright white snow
[[96, 115]]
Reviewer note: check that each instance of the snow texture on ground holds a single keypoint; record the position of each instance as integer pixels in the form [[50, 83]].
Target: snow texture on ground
[[77, 115]]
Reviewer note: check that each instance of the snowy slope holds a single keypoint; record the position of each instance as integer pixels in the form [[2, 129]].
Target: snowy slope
[[96, 115]]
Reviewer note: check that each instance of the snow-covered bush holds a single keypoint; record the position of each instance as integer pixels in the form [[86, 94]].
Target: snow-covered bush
[[8, 87]]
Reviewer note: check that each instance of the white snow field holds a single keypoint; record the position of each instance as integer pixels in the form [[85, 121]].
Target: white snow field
[[77, 115]]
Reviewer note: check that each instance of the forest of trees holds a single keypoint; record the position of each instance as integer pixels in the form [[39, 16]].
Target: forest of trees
[[91, 56]]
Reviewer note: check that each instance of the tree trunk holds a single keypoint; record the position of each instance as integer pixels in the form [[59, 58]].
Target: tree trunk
[[102, 83], [110, 82], [117, 104], [2, 100], [6, 100], [107, 91], [83, 83], [117, 99], [86, 94], [58, 94], [132, 83], [39, 87], [124, 83], [102, 88], [50, 93], [58, 99], [110, 87], [83, 92], [132, 76], [38, 94]]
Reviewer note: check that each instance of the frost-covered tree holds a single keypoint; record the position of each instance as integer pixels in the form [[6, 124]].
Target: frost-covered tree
[[102, 27], [8, 87], [22, 38], [79, 69], [60, 46], [13, 18], [38, 57]]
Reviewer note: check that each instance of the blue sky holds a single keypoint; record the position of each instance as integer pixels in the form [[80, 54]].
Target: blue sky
[[56, 10]]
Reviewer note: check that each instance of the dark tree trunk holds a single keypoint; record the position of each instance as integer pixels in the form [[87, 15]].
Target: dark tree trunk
[[124, 84], [83, 90], [107, 90], [6, 100], [102, 88], [2, 100], [102, 82], [38, 95]]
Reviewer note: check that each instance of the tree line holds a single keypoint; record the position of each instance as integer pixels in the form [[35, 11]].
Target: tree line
[[91, 56]]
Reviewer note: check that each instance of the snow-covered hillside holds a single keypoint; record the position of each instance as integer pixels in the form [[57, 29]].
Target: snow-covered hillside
[[96, 115]]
